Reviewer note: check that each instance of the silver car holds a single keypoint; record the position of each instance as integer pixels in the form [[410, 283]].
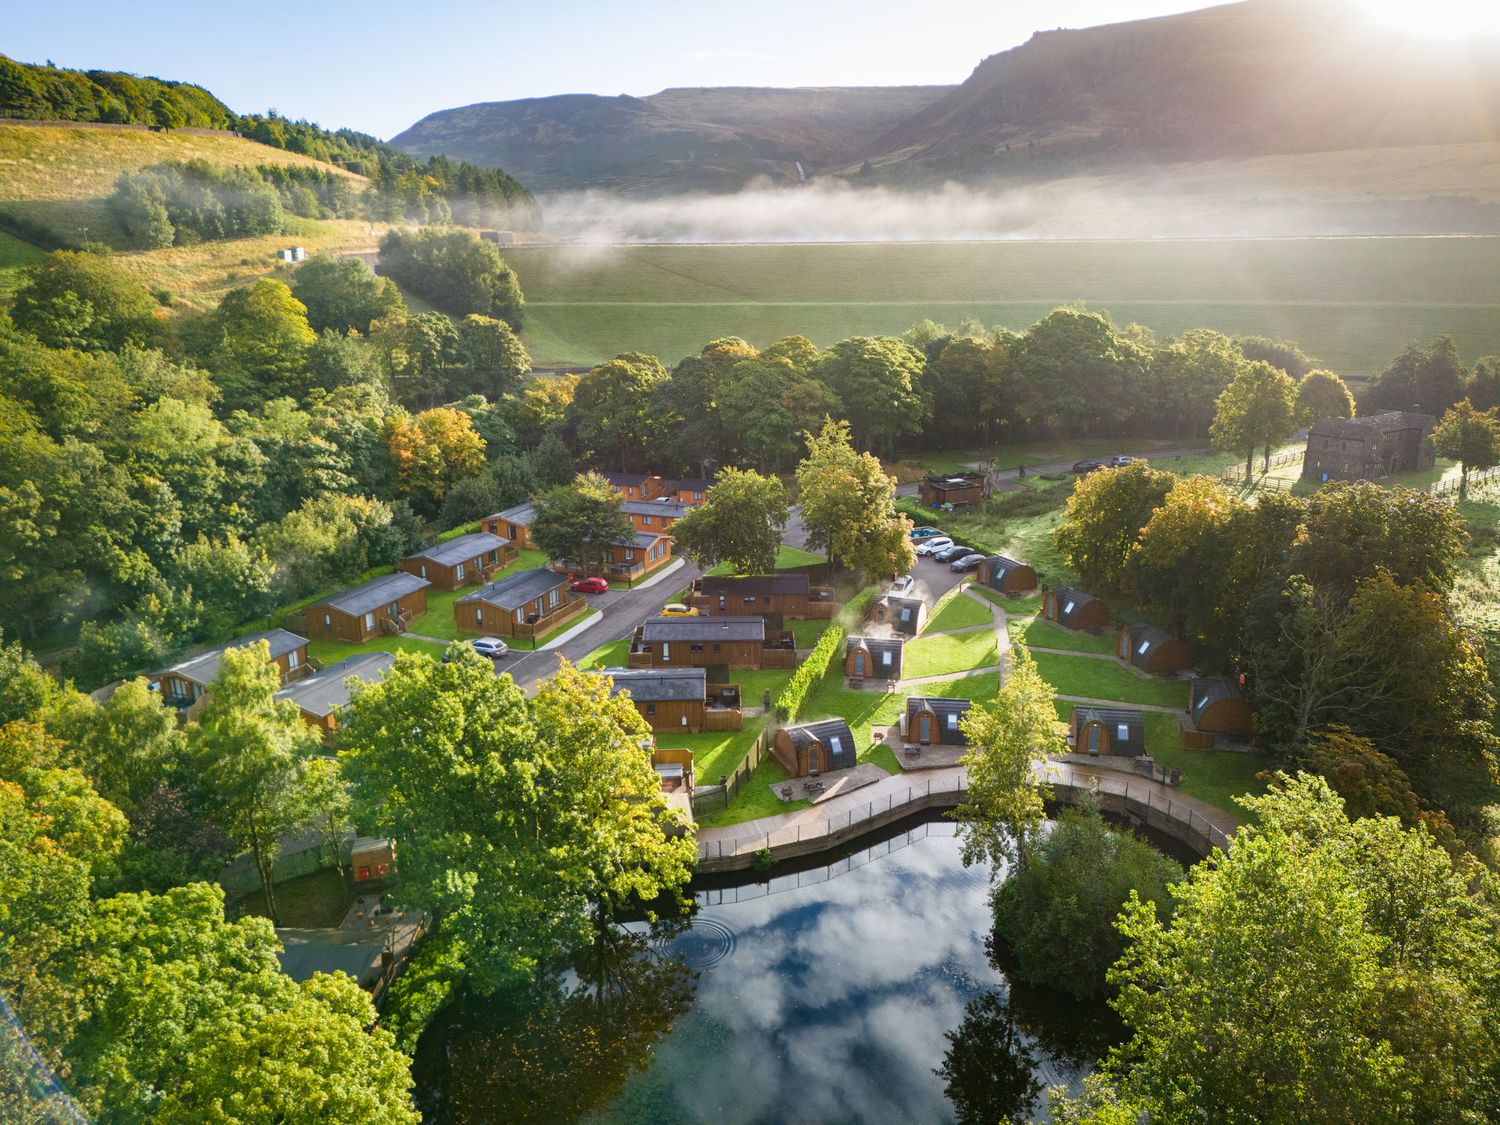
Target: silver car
[[933, 546]]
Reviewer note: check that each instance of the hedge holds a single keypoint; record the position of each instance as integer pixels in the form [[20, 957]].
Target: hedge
[[809, 674], [857, 607]]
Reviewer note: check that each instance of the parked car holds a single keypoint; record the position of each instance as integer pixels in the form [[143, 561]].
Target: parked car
[[933, 545], [948, 554], [1120, 460], [1082, 467], [966, 563], [590, 586], [920, 533], [902, 584], [493, 647], [677, 609]]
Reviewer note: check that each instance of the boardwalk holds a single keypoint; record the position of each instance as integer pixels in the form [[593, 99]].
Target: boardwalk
[[807, 831]]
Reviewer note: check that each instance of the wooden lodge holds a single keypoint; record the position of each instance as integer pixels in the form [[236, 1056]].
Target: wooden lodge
[[1216, 705], [785, 594], [702, 642], [1114, 731], [691, 491], [636, 486], [678, 699], [387, 604], [935, 721], [809, 749], [954, 489], [321, 696], [513, 525], [527, 604], [1151, 649], [638, 556], [901, 615], [873, 658], [464, 561], [653, 515], [1073, 609], [1006, 576], [185, 682]]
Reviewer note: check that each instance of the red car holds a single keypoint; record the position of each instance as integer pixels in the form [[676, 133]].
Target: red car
[[589, 586]]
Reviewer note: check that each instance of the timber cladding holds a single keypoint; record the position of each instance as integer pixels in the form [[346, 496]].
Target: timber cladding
[[387, 604]]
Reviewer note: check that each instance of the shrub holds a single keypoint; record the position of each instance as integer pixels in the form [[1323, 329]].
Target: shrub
[[809, 674]]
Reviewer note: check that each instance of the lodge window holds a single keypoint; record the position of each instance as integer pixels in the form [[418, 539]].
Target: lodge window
[[650, 709], [952, 722], [696, 648], [458, 572], [328, 623], [1122, 733], [423, 568], [479, 617], [292, 660], [1141, 651], [1067, 609], [750, 600], [885, 659], [369, 621], [552, 596]]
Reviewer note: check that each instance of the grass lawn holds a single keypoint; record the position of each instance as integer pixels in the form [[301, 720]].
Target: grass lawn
[[1106, 679], [1216, 776], [1038, 632], [1030, 604], [714, 752], [955, 610], [982, 686], [329, 652], [754, 682], [808, 632], [787, 557], [616, 654], [958, 652], [756, 799]]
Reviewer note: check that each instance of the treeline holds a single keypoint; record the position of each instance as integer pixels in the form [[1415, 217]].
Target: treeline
[[1337, 608], [435, 190], [164, 481], [179, 204]]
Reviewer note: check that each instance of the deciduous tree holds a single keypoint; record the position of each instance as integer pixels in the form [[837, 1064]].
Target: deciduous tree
[[1103, 518], [740, 522], [581, 521], [431, 450], [1322, 395], [845, 500], [1256, 410], [612, 409], [1469, 436], [878, 382]]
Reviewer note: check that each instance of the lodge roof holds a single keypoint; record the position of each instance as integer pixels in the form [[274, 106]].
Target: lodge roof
[[377, 592], [461, 549], [659, 685], [516, 590], [326, 691], [204, 668]]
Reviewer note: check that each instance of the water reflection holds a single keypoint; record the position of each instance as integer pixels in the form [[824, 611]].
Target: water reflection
[[865, 997]]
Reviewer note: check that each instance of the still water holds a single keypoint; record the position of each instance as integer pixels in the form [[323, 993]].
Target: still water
[[859, 992]]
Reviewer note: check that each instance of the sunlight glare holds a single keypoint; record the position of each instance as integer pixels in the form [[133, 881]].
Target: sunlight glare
[[1435, 19]]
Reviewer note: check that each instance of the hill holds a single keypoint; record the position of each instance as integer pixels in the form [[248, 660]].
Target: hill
[[1264, 76], [703, 139]]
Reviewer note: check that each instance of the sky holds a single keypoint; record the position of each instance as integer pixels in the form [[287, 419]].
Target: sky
[[380, 66]]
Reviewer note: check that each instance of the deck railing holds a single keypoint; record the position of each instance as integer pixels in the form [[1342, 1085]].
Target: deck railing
[[532, 630]]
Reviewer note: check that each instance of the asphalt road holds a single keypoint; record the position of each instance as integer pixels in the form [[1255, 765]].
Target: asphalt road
[[623, 610]]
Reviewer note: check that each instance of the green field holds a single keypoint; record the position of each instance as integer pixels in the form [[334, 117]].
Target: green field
[[1352, 302]]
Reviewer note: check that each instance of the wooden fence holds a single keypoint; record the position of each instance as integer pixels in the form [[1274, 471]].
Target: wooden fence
[[1479, 480], [1235, 474]]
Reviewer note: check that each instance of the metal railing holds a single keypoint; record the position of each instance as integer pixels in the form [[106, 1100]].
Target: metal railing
[[824, 828], [1148, 802]]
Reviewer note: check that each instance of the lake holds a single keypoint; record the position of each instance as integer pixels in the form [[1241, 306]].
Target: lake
[[827, 995]]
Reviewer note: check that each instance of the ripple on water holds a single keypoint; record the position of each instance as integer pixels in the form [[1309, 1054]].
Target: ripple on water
[[707, 942]]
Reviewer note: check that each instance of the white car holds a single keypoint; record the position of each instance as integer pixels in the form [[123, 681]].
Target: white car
[[933, 546], [902, 584], [493, 647]]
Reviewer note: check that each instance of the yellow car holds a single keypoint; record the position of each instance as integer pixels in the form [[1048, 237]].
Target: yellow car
[[677, 609]]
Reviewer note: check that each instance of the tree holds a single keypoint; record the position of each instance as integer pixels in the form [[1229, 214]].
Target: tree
[[1255, 410], [423, 356], [231, 579], [1080, 375], [125, 745], [1427, 381], [1469, 436], [1370, 783], [256, 343], [1103, 517], [612, 408], [1278, 353], [326, 805], [252, 749], [1009, 736], [765, 404], [878, 381], [25, 689], [580, 522], [1483, 387], [432, 450], [1322, 395], [523, 825], [184, 1016], [1320, 970], [740, 522], [506, 481], [455, 270], [1188, 537], [1352, 531], [989, 1071], [344, 293], [495, 360], [1057, 912], [551, 462], [845, 500], [1188, 375], [85, 301]]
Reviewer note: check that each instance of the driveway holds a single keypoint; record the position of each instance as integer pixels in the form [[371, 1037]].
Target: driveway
[[623, 610]]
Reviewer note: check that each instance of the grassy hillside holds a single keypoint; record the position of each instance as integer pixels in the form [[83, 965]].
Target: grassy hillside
[[1353, 302], [54, 183]]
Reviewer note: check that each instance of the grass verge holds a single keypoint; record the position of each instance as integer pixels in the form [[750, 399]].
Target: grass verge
[[955, 610], [1106, 679], [950, 655]]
